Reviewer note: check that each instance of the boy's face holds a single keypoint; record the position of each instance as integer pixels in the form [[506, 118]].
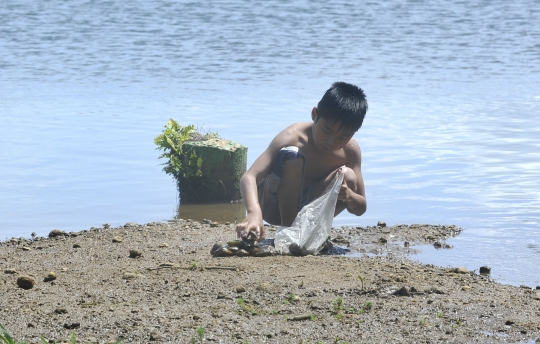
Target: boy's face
[[327, 134]]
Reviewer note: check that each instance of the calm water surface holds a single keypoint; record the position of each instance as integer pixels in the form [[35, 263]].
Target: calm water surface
[[451, 136]]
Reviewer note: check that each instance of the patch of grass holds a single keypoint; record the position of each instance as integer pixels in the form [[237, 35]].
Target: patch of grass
[[6, 338], [292, 298], [440, 315], [423, 322], [194, 266], [368, 305], [348, 274], [313, 317], [245, 307], [337, 305]]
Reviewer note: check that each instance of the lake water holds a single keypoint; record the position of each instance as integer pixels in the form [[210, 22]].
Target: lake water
[[451, 135]]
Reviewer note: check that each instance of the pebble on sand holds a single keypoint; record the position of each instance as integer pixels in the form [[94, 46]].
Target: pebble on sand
[[11, 271], [51, 276], [60, 310], [25, 282], [117, 239], [381, 224], [77, 246], [485, 270], [134, 253], [460, 270]]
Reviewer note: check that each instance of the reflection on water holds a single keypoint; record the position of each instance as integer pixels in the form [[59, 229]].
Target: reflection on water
[[218, 212]]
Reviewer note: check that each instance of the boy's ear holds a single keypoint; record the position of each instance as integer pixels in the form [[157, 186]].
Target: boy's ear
[[314, 114]]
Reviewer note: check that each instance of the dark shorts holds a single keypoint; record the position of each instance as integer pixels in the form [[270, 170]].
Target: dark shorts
[[267, 187]]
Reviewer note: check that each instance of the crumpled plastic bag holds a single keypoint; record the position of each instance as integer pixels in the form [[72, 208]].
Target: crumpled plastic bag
[[313, 224]]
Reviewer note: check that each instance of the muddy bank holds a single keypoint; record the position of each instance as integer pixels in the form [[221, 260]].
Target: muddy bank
[[158, 283]]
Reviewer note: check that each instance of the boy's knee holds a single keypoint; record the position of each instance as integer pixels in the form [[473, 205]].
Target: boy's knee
[[350, 178], [293, 165]]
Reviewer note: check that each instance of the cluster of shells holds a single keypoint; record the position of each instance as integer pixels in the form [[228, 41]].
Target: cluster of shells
[[244, 247]]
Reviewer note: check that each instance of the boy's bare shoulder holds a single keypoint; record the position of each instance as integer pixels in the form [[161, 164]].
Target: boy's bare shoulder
[[352, 150], [294, 135]]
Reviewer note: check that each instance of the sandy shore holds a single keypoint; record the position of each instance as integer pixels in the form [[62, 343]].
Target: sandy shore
[[176, 286]]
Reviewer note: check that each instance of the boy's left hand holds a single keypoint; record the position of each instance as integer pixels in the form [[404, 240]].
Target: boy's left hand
[[345, 193]]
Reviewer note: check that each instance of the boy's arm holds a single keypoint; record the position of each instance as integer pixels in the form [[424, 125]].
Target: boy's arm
[[355, 200], [248, 185]]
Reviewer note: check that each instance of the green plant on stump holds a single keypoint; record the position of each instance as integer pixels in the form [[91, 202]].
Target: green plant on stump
[[170, 141]]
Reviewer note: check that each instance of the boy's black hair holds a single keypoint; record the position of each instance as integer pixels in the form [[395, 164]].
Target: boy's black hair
[[345, 103]]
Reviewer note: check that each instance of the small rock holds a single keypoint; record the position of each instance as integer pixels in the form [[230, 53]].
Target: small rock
[[485, 270], [130, 275], [264, 287], [437, 244], [164, 245], [56, 233], [64, 269], [466, 288], [134, 253], [51, 276], [381, 224], [510, 322], [402, 292], [131, 224], [460, 270], [382, 240], [72, 326], [538, 287], [240, 289], [117, 239], [11, 271], [77, 246], [154, 337], [406, 244], [300, 317], [196, 317], [216, 246], [30, 325], [525, 287], [26, 248], [25, 282], [60, 310]]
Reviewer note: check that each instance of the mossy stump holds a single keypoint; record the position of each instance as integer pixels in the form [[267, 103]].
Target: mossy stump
[[223, 164]]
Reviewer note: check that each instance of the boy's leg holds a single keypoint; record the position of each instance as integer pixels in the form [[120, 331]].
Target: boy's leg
[[280, 191], [289, 190], [319, 187]]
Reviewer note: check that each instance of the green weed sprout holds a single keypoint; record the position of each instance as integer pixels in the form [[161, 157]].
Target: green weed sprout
[[368, 305], [200, 333], [362, 279], [440, 315]]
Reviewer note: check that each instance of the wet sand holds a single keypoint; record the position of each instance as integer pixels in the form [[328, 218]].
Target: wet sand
[[175, 286]]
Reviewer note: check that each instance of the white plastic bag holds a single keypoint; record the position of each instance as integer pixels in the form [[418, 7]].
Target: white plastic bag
[[313, 223]]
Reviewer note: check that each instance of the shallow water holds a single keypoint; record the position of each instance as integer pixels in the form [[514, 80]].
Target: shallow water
[[451, 135]]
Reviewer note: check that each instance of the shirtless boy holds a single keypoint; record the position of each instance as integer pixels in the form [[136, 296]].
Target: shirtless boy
[[302, 160]]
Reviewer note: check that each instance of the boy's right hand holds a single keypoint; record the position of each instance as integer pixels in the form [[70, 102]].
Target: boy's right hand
[[252, 223]]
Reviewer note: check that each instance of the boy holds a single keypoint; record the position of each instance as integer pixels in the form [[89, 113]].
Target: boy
[[302, 160]]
